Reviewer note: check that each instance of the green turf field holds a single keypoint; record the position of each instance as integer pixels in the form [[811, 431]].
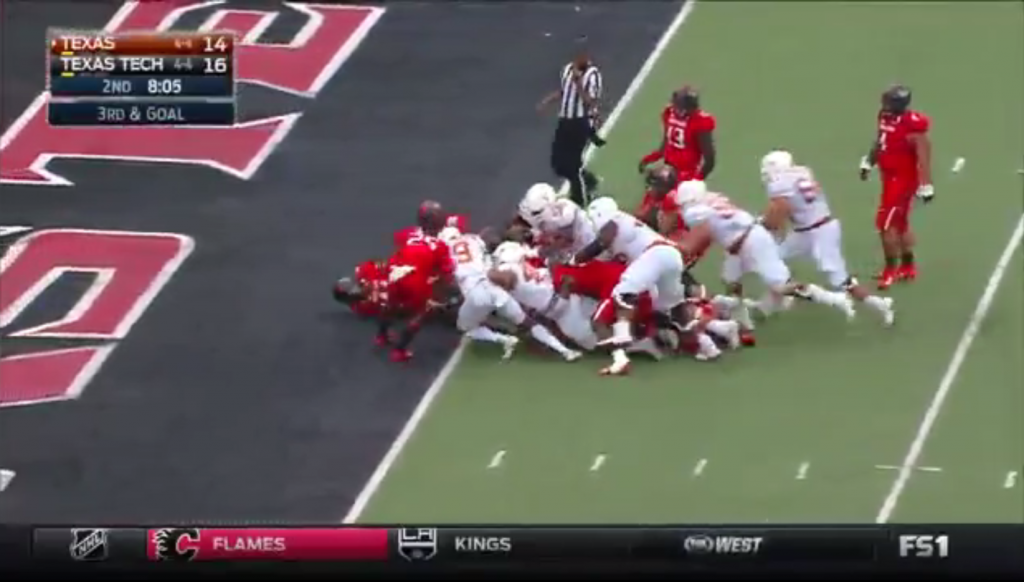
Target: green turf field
[[822, 422]]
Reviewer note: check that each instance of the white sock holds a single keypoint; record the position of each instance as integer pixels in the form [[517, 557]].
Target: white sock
[[644, 346], [619, 356], [825, 297], [544, 336], [622, 328], [741, 314], [769, 303], [875, 302], [722, 328], [486, 334], [707, 346]]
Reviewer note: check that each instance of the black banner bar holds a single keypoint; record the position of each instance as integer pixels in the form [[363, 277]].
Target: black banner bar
[[988, 548], [124, 86], [142, 65], [456, 545], [124, 113]]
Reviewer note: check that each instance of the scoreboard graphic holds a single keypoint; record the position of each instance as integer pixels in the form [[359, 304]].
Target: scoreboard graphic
[[178, 79]]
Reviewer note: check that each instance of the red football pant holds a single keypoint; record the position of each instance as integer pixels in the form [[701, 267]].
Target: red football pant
[[897, 200], [594, 279]]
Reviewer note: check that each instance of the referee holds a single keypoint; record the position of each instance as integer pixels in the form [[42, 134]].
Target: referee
[[579, 96]]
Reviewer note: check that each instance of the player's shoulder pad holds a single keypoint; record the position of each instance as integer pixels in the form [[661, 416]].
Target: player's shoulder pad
[[918, 121], [706, 121]]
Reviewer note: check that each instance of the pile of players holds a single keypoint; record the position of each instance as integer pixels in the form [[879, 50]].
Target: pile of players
[[602, 278]]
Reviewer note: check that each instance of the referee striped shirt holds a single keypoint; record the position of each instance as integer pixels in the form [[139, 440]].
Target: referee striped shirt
[[573, 105]]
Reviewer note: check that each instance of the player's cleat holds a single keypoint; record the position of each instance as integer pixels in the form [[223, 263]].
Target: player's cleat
[[382, 340], [747, 338], [906, 273], [400, 356], [620, 368], [509, 347], [886, 278]]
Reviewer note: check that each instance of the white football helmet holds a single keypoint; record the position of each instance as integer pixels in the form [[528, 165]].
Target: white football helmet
[[509, 253], [691, 191], [774, 163], [537, 198], [560, 214], [449, 235], [601, 210]]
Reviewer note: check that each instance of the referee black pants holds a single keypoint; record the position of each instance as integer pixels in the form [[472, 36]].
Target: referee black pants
[[571, 139]]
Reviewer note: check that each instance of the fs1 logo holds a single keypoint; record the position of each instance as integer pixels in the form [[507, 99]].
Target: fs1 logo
[[302, 67], [924, 546]]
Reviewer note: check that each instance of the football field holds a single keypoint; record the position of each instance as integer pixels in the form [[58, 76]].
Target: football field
[[823, 421]]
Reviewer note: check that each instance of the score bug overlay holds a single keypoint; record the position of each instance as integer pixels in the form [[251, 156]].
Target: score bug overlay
[[102, 79]]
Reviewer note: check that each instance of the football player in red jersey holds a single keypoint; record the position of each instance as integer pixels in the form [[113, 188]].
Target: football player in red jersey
[[903, 153], [687, 141], [366, 292], [418, 270]]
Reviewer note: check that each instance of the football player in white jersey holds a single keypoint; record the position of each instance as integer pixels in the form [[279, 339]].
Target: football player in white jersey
[[535, 202], [481, 297], [748, 246], [655, 265], [797, 198], [533, 287]]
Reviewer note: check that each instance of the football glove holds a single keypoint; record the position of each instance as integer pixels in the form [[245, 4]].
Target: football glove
[[926, 192]]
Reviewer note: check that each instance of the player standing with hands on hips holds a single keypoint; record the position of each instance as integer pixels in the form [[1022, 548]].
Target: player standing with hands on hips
[[903, 154], [579, 118]]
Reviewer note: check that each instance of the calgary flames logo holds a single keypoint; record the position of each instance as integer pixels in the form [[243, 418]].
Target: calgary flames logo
[[167, 543]]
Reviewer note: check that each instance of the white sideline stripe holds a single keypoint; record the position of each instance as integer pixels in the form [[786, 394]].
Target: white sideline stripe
[[959, 354], [382, 470]]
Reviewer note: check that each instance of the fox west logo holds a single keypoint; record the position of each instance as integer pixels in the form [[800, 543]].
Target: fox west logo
[[88, 545], [173, 544], [302, 67]]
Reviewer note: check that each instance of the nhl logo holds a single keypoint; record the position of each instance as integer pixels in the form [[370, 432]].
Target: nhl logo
[[88, 545], [417, 544]]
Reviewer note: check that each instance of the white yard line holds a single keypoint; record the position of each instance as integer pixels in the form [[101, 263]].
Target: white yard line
[[382, 470], [598, 462], [699, 469], [496, 460], [932, 413]]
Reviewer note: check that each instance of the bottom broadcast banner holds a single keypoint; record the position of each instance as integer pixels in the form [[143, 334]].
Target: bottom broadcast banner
[[239, 544]]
